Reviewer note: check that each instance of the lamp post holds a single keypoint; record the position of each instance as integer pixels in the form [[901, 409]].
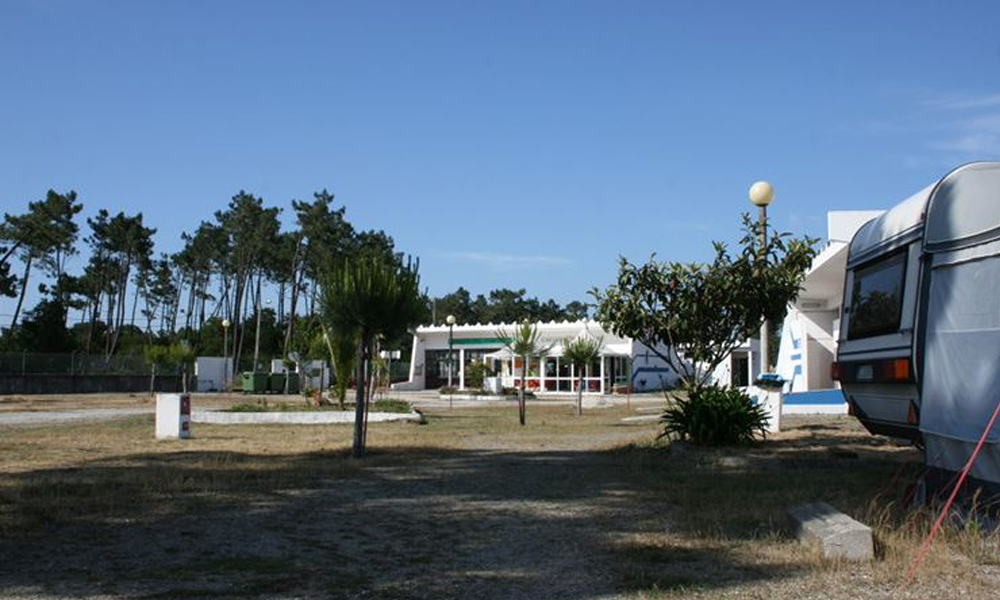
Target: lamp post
[[225, 352], [451, 340], [761, 194]]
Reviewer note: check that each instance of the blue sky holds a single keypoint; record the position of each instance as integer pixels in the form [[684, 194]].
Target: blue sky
[[506, 143]]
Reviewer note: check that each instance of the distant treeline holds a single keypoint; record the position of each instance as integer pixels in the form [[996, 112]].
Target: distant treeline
[[240, 269]]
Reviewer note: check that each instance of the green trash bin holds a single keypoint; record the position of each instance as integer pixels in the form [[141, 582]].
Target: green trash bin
[[254, 383], [276, 383], [293, 383]]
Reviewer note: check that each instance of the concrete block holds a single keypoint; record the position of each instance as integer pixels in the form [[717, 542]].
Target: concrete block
[[837, 534], [173, 416]]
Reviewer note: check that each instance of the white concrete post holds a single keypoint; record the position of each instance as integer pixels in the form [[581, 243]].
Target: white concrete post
[[461, 368], [173, 416], [602, 374]]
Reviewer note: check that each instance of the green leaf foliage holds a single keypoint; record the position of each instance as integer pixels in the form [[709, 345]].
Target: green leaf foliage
[[693, 315], [373, 296], [715, 416]]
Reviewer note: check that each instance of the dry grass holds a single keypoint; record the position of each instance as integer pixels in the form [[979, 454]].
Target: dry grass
[[473, 505]]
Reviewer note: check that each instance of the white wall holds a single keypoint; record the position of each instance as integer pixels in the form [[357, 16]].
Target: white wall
[[211, 372]]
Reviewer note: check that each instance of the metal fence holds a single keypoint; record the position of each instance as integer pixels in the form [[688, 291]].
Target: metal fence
[[78, 363]]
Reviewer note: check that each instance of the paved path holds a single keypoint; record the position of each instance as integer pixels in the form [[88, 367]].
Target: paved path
[[52, 417]]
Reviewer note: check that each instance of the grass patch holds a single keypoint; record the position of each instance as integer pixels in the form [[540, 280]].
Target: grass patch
[[393, 405]]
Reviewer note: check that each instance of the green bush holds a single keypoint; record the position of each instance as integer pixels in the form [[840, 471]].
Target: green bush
[[393, 405], [475, 373], [715, 416]]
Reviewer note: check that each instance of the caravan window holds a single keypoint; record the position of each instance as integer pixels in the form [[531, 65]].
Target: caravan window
[[877, 297]]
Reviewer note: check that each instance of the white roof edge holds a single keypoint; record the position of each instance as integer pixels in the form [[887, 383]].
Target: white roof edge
[[495, 326]]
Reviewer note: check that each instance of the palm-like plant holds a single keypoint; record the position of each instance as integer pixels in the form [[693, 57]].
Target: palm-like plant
[[342, 346], [371, 296], [524, 342], [581, 352]]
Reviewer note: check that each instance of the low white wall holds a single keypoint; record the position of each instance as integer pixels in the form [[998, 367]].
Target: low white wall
[[294, 418]]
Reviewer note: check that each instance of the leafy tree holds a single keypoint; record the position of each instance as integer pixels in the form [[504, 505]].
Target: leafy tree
[[46, 234], [502, 306], [457, 303], [119, 245], [373, 297], [251, 230], [576, 311], [693, 315], [44, 329], [524, 342], [581, 352], [324, 237], [8, 282]]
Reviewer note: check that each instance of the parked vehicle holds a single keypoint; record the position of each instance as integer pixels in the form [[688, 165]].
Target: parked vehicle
[[919, 350]]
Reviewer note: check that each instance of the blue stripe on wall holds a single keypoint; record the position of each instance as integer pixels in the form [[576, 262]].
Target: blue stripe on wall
[[656, 370], [822, 397]]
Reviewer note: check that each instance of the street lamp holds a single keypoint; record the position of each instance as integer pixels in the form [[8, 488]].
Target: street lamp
[[225, 351], [761, 194], [451, 340]]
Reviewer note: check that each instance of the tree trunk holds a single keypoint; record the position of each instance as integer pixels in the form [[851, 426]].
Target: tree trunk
[[202, 296], [256, 341], [520, 398], [579, 396], [24, 286], [372, 389], [296, 280], [359, 401], [135, 304], [281, 303]]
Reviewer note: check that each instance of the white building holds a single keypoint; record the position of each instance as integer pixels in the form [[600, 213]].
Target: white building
[[741, 367], [623, 362], [811, 328]]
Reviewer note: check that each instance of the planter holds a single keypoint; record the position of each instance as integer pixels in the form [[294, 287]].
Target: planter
[[771, 399]]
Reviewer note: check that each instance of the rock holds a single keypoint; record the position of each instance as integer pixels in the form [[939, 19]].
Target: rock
[[838, 535], [732, 462]]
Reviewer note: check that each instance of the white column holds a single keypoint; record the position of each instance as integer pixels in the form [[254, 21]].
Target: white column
[[541, 373], [461, 368], [602, 373]]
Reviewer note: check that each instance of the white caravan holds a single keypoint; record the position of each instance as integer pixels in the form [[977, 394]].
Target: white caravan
[[919, 351]]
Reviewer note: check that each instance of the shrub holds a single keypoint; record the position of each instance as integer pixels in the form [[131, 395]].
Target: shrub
[[391, 405], [715, 416], [475, 373]]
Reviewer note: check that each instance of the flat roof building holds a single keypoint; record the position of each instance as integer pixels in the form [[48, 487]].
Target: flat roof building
[[622, 363]]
